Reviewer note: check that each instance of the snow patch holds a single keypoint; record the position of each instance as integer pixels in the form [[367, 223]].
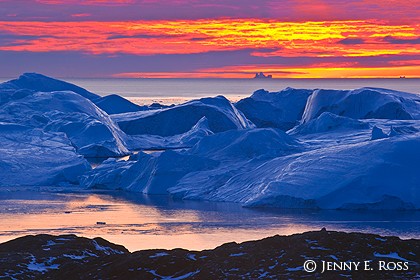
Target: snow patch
[[299, 268], [105, 249], [158, 255], [237, 254], [393, 255], [42, 266]]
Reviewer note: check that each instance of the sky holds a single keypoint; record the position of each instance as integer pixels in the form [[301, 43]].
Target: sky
[[210, 39]]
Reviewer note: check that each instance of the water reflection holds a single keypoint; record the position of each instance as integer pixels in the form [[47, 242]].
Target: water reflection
[[144, 222]]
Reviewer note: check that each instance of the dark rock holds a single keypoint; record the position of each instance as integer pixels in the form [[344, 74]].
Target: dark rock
[[277, 257]]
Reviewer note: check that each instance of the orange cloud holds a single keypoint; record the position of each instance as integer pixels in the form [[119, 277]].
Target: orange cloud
[[339, 70], [291, 39], [267, 38], [80, 15]]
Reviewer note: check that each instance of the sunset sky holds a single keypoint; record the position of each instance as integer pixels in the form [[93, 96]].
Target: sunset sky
[[212, 38]]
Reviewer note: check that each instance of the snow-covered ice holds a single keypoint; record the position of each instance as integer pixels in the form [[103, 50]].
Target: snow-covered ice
[[328, 122], [281, 109], [115, 104], [184, 140], [220, 113], [37, 82], [216, 157], [330, 159], [296, 148], [363, 103], [89, 129], [279, 172], [31, 157]]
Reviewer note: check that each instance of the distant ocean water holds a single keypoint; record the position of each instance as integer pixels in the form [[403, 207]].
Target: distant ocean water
[[231, 88]]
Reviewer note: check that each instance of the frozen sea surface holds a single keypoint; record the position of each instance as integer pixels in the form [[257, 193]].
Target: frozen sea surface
[[146, 222]]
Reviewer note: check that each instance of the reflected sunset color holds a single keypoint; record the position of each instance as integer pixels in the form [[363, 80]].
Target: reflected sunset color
[[148, 222]]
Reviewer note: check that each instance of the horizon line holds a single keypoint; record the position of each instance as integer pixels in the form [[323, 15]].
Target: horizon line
[[219, 78]]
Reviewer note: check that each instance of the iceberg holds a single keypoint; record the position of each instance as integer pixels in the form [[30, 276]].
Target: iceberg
[[37, 82], [31, 157], [341, 175], [296, 148], [220, 113], [112, 104], [328, 122], [90, 130], [188, 139], [184, 140], [115, 104], [281, 109], [248, 144], [363, 103], [331, 160], [219, 154]]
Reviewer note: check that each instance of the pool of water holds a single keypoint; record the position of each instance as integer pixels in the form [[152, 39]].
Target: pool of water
[[145, 222]]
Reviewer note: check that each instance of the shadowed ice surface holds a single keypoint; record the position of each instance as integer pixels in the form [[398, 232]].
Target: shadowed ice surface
[[146, 222]]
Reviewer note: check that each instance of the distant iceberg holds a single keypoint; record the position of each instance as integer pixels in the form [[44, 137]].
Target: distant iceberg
[[295, 148], [261, 75]]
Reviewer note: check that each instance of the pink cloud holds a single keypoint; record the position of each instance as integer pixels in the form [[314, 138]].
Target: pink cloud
[[80, 15], [88, 2]]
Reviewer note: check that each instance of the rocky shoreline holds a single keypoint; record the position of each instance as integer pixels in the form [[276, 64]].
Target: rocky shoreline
[[332, 255]]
